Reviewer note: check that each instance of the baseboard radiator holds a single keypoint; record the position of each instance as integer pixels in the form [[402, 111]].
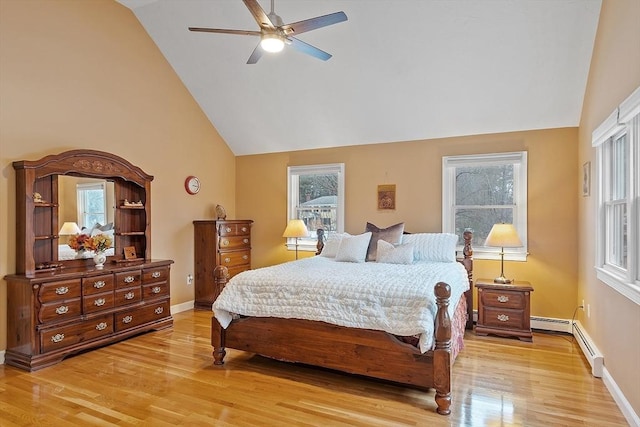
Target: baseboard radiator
[[591, 352]]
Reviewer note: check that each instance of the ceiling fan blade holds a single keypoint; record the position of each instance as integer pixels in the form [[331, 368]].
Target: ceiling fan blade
[[308, 49], [259, 14], [314, 23], [255, 55], [223, 31]]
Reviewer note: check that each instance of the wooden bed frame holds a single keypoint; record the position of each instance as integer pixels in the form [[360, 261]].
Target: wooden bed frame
[[370, 353]]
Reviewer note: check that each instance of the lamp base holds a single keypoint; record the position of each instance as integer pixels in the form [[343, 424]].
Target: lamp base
[[503, 280]]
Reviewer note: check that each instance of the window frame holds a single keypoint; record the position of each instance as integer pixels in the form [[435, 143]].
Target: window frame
[[519, 160], [624, 121], [81, 190], [293, 175]]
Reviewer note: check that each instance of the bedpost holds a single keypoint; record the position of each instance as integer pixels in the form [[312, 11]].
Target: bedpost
[[220, 276], [442, 352], [467, 261]]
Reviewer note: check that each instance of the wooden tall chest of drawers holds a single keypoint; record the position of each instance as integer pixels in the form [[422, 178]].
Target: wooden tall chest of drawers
[[219, 242], [504, 309]]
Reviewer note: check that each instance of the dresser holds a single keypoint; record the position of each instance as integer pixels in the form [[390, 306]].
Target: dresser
[[504, 309], [218, 243]]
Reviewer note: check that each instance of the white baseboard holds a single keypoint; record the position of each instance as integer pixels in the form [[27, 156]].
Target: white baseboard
[[179, 308], [621, 400], [2, 357]]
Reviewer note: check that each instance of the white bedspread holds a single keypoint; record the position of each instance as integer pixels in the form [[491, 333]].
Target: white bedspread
[[398, 299]]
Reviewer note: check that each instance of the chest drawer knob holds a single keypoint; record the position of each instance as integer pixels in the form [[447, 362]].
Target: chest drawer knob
[[62, 290], [127, 319], [227, 260], [99, 284], [245, 240], [225, 243], [503, 317], [245, 256], [57, 338], [129, 279], [503, 298], [156, 274], [159, 310], [63, 309], [129, 295], [156, 289], [100, 302], [244, 229], [101, 326], [228, 229]]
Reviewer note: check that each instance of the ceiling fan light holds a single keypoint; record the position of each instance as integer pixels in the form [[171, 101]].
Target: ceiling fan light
[[272, 43]]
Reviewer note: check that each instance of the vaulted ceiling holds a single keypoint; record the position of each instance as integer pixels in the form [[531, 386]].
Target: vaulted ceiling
[[401, 69]]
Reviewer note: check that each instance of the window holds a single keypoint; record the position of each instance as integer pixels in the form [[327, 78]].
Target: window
[[316, 196], [91, 204], [617, 142], [481, 190]]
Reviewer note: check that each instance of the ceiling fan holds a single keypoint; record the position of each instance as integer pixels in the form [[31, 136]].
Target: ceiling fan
[[275, 34]]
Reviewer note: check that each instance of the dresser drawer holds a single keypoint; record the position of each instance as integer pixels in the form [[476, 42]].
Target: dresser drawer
[[503, 318], [65, 336], [97, 284], [60, 311], [502, 298], [155, 290], [128, 296], [233, 230], [128, 278], [62, 290], [234, 242], [140, 316], [236, 270], [160, 274], [230, 259], [97, 302]]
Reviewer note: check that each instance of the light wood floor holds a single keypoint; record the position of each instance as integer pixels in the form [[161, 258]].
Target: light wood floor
[[167, 378]]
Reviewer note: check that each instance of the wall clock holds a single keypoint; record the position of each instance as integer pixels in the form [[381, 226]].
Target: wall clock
[[192, 184]]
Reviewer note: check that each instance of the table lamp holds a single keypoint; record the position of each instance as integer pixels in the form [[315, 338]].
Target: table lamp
[[69, 228], [295, 229], [503, 236]]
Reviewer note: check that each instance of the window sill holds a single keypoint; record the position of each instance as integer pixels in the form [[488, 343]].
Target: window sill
[[629, 290], [302, 247], [492, 255]]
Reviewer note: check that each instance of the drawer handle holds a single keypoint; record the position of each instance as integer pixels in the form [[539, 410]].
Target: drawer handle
[[159, 310], [245, 240], [127, 319], [100, 302], [63, 309], [129, 279], [129, 295], [503, 317], [101, 326], [245, 256], [62, 290], [57, 338], [503, 298], [99, 284], [225, 242], [156, 274], [156, 289], [227, 260], [244, 228], [228, 229]]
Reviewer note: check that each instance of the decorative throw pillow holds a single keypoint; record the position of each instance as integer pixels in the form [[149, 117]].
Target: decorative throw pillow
[[390, 254], [392, 234], [332, 244], [353, 248], [438, 247]]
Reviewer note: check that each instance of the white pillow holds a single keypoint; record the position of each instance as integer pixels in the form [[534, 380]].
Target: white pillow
[[438, 247], [390, 254], [353, 248], [330, 248]]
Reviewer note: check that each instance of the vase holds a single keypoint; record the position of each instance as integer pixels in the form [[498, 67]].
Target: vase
[[99, 259], [80, 254]]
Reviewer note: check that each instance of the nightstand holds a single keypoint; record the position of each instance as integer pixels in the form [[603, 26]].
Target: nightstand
[[504, 309]]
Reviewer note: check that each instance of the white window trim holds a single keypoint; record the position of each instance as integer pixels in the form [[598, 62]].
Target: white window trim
[[626, 117], [81, 203], [519, 158], [309, 245]]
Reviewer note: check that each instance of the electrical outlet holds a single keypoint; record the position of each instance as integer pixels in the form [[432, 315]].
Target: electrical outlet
[[588, 310], [189, 279]]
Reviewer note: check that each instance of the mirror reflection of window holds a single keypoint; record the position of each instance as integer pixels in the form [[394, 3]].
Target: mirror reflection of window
[[92, 204]]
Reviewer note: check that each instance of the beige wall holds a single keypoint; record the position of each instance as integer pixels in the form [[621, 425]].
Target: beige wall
[[416, 169], [85, 74], [615, 73]]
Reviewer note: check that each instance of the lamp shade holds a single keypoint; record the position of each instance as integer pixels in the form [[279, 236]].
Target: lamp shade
[[69, 228], [295, 228], [272, 43], [503, 236]]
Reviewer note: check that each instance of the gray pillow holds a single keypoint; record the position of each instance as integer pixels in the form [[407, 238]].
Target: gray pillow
[[391, 234]]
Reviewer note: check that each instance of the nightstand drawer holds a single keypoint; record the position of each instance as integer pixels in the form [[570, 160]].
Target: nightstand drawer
[[503, 299], [501, 318]]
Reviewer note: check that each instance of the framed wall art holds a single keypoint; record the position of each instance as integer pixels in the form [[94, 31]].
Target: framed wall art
[[387, 197]]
